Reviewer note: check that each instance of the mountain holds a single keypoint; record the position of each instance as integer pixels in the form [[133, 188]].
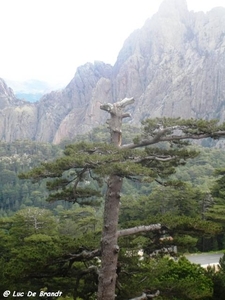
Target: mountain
[[173, 66], [31, 90]]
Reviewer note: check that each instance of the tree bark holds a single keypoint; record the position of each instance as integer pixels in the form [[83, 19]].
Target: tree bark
[[109, 245]]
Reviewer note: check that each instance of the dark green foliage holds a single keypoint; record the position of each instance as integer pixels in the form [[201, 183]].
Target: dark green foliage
[[189, 126], [177, 280], [184, 280], [21, 156], [218, 279], [91, 162], [44, 254], [215, 212], [218, 189], [38, 250]]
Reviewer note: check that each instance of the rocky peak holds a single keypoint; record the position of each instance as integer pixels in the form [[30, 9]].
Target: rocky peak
[[163, 32], [208, 30], [173, 8], [85, 79], [175, 64], [7, 96], [4, 89]]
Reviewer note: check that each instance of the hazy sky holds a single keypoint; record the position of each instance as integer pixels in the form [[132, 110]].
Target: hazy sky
[[49, 39]]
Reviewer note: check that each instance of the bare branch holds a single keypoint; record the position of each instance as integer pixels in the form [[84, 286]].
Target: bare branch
[[107, 107], [137, 229], [154, 157], [145, 296], [126, 115], [120, 104], [126, 101]]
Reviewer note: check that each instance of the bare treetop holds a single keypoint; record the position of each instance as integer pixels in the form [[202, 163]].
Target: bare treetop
[[120, 104], [117, 115]]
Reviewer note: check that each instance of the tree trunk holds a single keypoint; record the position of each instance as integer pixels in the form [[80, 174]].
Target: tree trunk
[[109, 245]]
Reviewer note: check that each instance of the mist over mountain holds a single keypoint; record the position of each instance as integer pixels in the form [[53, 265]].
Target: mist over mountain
[[173, 66]]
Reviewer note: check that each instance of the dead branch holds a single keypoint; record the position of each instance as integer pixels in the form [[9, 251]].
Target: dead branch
[[121, 104], [163, 158], [126, 101], [145, 296], [137, 229], [107, 107], [126, 115]]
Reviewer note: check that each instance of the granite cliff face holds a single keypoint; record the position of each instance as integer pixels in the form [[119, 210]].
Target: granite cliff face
[[17, 118], [60, 114], [173, 66]]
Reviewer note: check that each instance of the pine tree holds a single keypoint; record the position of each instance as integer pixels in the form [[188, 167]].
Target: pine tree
[[152, 156]]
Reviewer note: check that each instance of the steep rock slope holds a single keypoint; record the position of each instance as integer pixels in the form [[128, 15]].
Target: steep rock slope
[[18, 118], [60, 114], [173, 66]]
